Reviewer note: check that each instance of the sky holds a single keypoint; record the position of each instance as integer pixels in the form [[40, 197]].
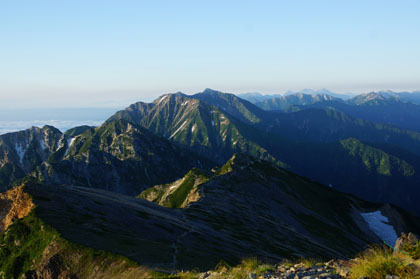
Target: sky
[[112, 53]]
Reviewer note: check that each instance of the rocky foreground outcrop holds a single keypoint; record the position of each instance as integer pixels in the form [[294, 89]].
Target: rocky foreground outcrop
[[14, 204], [405, 239], [296, 271]]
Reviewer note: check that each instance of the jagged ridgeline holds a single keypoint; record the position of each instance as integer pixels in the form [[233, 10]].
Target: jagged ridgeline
[[317, 143], [118, 156], [156, 143], [292, 102], [248, 207], [23, 151]]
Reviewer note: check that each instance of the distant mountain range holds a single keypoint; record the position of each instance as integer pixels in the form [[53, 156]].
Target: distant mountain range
[[214, 168], [255, 97], [400, 109]]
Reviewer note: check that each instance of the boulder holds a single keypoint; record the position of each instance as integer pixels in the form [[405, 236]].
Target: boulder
[[405, 239]]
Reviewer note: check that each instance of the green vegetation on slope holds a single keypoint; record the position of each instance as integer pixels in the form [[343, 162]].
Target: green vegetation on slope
[[29, 245], [376, 263], [377, 160], [22, 245], [413, 250], [176, 195]]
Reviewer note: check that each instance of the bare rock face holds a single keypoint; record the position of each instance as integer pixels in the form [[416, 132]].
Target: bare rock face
[[21, 152], [14, 204], [404, 239]]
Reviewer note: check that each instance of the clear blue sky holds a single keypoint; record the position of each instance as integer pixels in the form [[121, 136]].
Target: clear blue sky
[[100, 53]]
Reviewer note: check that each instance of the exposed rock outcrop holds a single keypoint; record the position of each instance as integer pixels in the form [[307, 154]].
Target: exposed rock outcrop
[[14, 204], [405, 239]]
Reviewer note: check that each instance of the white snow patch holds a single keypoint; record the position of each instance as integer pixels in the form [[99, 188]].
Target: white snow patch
[[70, 141], [20, 151], [163, 98], [60, 143], [212, 123], [177, 130], [170, 188], [379, 225], [186, 102], [193, 128]]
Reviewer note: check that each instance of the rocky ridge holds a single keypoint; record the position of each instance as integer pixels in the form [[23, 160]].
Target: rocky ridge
[[14, 204]]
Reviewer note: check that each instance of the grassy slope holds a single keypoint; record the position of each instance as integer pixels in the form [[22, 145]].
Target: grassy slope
[[162, 194], [29, 245]]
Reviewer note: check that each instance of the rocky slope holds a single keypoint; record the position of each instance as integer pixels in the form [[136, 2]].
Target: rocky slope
[[245, 188], [22, 151], [197, 125], [247, 208], [117, 156], [14, 204]]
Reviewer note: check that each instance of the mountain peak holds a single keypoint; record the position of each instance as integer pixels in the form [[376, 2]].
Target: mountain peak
[[165, 97], [232, 104], [373, 98], [210, 91]]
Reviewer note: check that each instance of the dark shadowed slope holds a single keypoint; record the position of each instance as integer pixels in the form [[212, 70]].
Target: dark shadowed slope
[[247, 208]]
